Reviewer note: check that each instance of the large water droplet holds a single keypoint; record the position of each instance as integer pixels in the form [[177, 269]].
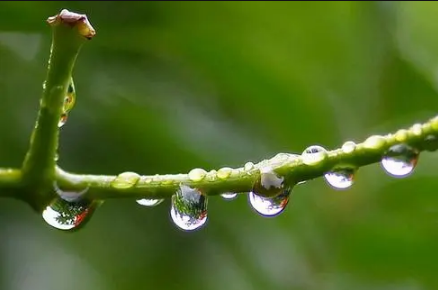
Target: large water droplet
[[149, 202], [64, 215], [340, 178], [62, 120], [313, 155], [269, 184], [229, 195], [189, 208], [400, 160], [269, 206], [197, 174], [125, 180]]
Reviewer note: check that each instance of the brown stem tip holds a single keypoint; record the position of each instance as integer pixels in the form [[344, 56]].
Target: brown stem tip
[[74, 20]]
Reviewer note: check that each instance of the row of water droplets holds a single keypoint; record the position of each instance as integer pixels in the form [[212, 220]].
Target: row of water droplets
[[268, 197]]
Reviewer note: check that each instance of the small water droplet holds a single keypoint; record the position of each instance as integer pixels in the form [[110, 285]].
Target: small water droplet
[[374, 142], [340, 178], [430, 143], [269, 206], [69, 102], [348, 147], [197, 174], [69, 195], [44, 85], [149, 202], [62, 120], [314, 155], [224, 172], [64, 215], [269, 184], [248, 166], [401, 135], [400, 160], [125, 180], [189, 208], [229, 195], [417, 129], [434, 123]]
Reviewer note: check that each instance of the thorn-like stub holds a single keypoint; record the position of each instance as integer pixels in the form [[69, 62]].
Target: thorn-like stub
[[80, 21]]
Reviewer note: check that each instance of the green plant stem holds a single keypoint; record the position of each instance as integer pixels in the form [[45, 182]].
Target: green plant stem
[[68, 36], [10, 182], [423, 137]]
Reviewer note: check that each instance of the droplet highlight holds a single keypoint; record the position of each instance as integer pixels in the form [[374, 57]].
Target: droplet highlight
[[400, 160], [314, 155], [189, 208], [197, 174], [125, 180], [64, 215], [229, 195], [248, 166], [269, 206], [340, 178], [149, 202]]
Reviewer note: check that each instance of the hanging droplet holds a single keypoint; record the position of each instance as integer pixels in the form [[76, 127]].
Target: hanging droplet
[[400, 160], [269, 184], [62, 120], [125, 180], [314, 155], [64, 215], [340, 178], [149, 202], [224, 172], [189, 208], [348, 147], [197, 174], [269, 206], [69, 195], [229, 195]]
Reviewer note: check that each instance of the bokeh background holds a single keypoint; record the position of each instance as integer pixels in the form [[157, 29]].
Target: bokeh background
[[168, 86]]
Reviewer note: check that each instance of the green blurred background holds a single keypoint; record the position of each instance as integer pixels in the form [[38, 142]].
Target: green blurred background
[[168, 86]]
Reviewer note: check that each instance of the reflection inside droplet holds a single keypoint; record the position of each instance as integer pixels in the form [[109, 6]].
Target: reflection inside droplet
[[400, 160], [269, 207]]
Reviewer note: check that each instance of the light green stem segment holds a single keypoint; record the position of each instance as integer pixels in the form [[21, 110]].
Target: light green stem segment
[[423, 137]]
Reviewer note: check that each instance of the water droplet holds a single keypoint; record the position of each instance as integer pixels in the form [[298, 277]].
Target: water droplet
[[44, 85], [64, 215], [69, 195], [313, 155], [149, 202], [229, 195], [189, 208], [401, 135], [69, 102], [197, 174], [125, 180], [62, 120], [348, 147], [340, 178], [374, 142], [417, 129], [400, 160], [269, 184], [430, 143], [224, 172], [269, 206], [248, 166]]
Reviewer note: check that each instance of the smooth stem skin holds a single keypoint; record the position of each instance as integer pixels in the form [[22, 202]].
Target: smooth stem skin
[[423, 137], [38, 171]]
